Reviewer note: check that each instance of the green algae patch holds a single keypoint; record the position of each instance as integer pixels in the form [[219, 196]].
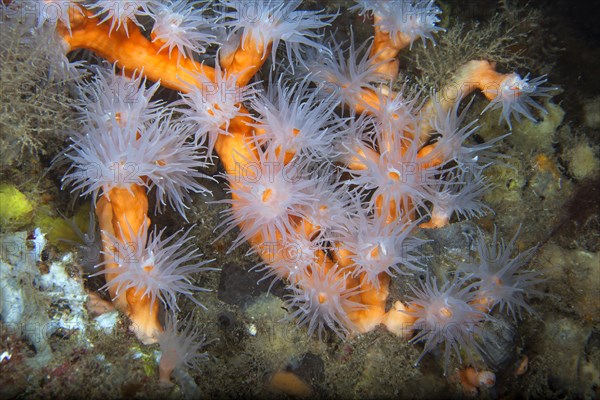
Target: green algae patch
[[60, 231], [16, 210], [148, 361]]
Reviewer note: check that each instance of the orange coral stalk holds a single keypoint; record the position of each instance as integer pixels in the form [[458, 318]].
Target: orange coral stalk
[[119, 212], [246, 60], [143, 315], [135, 52], [368, 100], [385, 49], [374, 299], [234, 149], [398, 321], [474, 75], [114, 217], [131, 53]]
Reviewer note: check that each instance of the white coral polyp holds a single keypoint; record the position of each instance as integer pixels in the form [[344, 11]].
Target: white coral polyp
[[345, 71], [274, 21], [377, 246], [322, 299], [124, 140], [267, 197], [209, 106], [399, 180], [161, 157], [181, 25], [116, 97], [50, 12], [120, 12], [445, 316], [294, 121], [159, 268], [515, 97], [412, 18], [180, 347], [501, 280]]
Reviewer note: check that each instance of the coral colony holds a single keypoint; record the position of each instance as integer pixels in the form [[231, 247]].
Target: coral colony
[[330, 171]]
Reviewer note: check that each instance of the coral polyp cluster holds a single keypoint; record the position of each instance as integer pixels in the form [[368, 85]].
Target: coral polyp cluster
[[454, 314], [332, 155], [126, 139]]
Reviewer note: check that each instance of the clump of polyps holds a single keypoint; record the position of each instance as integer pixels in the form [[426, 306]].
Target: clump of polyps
[[454, 314]]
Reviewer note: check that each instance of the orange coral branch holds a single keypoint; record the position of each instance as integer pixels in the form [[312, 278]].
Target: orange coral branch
[[385, 49], [119, 212], [474, 75], [123, 210], [246, 60], [131, 53]]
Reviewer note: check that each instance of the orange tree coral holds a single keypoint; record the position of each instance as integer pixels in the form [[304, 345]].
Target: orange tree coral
[[329, 200]]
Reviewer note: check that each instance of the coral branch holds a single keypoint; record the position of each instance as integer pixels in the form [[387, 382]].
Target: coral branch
[[133, 52]]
